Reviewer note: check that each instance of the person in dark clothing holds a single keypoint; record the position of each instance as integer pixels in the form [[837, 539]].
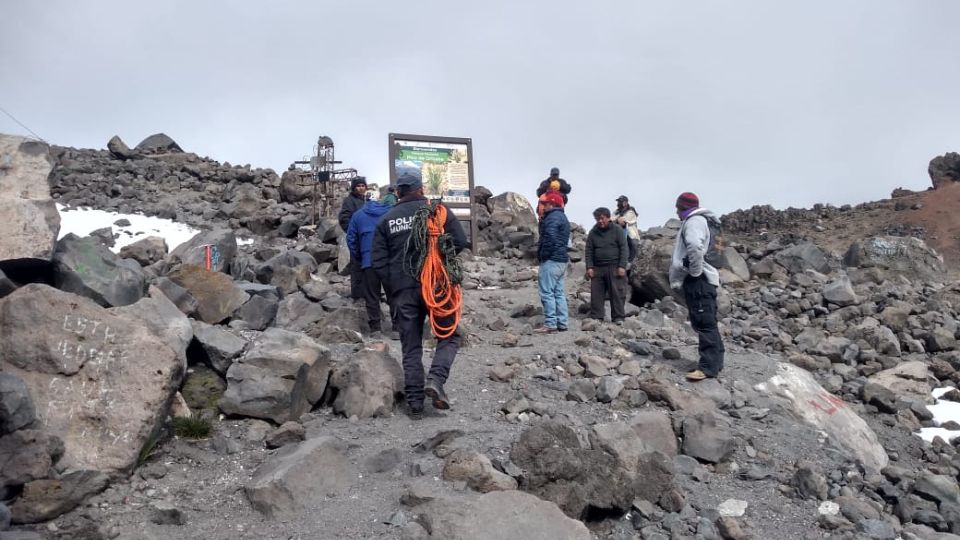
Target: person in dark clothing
[[351, 203], [606, 257], [360, 242], [699, 281], [552, 254], [555, 183], [390, 258]]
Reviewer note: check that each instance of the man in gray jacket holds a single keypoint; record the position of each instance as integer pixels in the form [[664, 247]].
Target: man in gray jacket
[[699, 281]]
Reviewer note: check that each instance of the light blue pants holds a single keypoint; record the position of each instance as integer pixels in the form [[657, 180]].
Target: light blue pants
[[552, 295]]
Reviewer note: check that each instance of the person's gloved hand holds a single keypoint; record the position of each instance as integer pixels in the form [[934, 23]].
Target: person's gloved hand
[[676, 285]]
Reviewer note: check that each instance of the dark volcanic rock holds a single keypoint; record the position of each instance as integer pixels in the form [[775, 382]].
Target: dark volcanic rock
[[583, 482]]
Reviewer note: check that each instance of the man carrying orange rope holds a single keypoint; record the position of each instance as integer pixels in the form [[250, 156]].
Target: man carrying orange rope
[[393, 257]]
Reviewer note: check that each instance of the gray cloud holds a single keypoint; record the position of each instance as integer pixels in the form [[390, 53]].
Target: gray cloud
[[747, 103]]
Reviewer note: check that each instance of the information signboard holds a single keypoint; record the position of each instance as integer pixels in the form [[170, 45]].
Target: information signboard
[[446, 166]]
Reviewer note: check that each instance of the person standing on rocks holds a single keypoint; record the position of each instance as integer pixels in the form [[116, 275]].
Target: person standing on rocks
[[351, 203], [392, 258], [552, 254], [626, 217], [360, 242], [699, 282], [555, 183], [606, 257]]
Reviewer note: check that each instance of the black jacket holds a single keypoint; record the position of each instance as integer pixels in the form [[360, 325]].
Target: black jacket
[[351, 203], [606, 247], [564, 188], [554, 236], [390, 240]]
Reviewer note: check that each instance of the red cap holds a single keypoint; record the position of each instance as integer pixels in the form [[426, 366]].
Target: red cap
[[553, 198], [687, 200]]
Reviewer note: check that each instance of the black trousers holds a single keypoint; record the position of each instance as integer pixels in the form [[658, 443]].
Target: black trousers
[[605, 281], [371, 297], [356, 279], [411, 317], [701, 299]]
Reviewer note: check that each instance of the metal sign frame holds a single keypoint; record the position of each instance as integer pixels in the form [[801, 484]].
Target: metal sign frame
[[458, 208]]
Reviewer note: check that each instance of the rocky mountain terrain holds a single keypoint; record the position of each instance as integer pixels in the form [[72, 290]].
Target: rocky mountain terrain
[[156, 394]]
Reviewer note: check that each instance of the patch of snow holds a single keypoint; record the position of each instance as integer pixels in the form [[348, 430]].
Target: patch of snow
[[244, 241], [83, 221], [943, 411]]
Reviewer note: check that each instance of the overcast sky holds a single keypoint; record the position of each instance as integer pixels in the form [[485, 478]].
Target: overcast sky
[[747, 102]]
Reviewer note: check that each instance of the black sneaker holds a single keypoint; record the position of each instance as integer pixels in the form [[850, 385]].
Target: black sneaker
[[415, 412], [434, 391]]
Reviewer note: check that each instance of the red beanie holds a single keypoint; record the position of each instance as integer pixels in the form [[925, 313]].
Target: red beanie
[[687, 200], [553, 198]]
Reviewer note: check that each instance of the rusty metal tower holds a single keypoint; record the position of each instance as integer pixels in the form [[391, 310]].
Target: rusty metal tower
[[322, 175]]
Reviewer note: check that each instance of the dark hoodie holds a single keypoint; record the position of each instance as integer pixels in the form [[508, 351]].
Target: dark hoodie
[[360, 230], [606, 247]]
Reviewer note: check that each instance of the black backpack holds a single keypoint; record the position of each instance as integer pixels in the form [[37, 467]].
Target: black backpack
[[715, 243]]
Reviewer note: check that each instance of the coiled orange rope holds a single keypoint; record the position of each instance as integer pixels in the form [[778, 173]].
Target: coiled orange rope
[[442, 297]]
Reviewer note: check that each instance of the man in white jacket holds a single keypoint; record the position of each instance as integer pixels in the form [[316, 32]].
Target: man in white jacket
[[699, 282]]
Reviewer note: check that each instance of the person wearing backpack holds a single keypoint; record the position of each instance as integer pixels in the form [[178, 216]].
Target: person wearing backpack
[[693, 270]]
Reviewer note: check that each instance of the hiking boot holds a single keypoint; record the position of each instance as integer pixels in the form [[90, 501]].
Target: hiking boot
[[618, 322], [561, 329], [544, 330], [434, 391], [415, 412], [696, 375]]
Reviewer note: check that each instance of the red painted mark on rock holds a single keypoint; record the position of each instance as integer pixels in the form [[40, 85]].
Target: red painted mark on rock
[[827, 403]]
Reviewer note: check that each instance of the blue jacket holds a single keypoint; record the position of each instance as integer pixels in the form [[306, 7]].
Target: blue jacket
[[554, 236], [360, 230]]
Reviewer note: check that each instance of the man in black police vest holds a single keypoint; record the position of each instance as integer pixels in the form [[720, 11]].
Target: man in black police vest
[[391, 259]]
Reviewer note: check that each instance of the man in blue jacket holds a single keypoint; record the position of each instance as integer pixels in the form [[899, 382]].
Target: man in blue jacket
[[552, 253], [360, 241]]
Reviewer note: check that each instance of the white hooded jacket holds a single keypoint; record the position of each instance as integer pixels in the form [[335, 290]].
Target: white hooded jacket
[[692, 243]]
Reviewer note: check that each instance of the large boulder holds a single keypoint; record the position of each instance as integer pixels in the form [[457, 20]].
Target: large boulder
[[159, 143], [499, 514], [944, 169], [161, 317], [86, 267], [279, 378], [146, 251], [43, 500], [119, 149], [705, 440], [897, 255], [30, 218], [216, 294], [649, 279], [295, 186], [300, 478], [27, 455], [802, 257], [287, 271], [194, 251], [512, 209], [840, 292], [220, 347], [101, 382], [908, 380], [811, 403], [367, 384], [16, 405], [731, 260], [582, 481]]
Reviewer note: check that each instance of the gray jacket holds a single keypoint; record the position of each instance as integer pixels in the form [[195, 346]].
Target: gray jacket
[[692, 243]]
